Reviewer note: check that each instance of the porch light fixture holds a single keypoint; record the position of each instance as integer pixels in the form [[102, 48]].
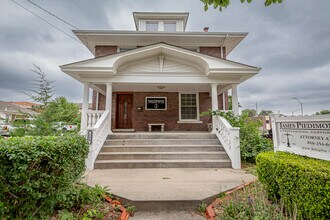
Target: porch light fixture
[[161, 87]]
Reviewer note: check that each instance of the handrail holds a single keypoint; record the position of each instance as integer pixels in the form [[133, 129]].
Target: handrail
[[99, 133], [229, 138]]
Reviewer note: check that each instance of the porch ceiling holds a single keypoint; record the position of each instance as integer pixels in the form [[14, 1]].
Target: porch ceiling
[[161, 87]]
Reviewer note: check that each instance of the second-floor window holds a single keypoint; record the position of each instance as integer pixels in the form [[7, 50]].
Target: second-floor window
[[152, 26], [170, 26]]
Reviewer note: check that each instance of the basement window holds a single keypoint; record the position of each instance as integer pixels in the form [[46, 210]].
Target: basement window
[[189, 106]]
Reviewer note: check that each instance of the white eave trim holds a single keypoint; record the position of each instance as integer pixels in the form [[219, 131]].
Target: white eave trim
[[234, 71]]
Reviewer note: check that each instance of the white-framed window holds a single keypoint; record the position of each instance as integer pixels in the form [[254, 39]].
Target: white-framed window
[[189, 106], [170, 26], [152, 25]]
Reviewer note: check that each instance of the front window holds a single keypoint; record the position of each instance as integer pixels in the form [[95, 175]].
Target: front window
[[152, 26], [170, 26], [189, 106]]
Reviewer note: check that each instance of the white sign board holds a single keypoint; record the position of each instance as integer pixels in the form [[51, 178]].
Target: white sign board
[[305, 135]]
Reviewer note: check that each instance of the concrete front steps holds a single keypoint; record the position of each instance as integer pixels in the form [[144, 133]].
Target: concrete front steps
[[162, 150]]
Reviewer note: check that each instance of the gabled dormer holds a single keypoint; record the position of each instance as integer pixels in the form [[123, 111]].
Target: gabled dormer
[[156, 21]]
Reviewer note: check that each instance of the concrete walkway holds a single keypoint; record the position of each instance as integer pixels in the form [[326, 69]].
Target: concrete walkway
[[167, 189], [179, 215]]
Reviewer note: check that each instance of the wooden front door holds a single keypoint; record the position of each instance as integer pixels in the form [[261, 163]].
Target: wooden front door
[[124, 111]]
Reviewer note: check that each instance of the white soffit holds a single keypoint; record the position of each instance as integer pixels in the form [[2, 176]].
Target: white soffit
[[209, 66], [129, 39]]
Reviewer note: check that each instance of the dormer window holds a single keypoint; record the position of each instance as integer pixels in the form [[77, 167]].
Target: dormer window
[[158, 21], [152, 26], [169, 26]]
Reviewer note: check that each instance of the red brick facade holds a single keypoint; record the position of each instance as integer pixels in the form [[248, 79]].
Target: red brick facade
[[214, 51], [170, 116], [101, 51], [211, 51], [101, 103]]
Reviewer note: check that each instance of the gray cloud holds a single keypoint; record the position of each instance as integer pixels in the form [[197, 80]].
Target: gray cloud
[[289, 41]]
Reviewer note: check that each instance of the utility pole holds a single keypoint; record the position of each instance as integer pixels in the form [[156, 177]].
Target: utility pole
[[301, 106], [257, 107]]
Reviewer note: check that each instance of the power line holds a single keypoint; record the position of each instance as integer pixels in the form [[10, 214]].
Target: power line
[[45, 20], [57, 17], [52, 14]]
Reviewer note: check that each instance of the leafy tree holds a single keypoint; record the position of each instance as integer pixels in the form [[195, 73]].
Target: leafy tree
[[60, 110], [43, 89], [230, 103], [251, 140], [323, 112], [224, 3], [266, 112], [249, 112]]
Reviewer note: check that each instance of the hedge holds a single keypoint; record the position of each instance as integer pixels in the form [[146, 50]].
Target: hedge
[[301, 183], [36, 172]]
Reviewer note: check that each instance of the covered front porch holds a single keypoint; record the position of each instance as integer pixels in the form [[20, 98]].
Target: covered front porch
[[163, 85], [176, 106]]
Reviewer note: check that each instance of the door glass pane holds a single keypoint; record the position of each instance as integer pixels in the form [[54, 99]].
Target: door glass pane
[[125, 110]]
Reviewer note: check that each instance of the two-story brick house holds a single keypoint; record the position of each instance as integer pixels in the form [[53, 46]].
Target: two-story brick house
[[159, 74]]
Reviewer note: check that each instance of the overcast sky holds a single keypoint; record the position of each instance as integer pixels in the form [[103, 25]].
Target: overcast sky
[[290, 41]]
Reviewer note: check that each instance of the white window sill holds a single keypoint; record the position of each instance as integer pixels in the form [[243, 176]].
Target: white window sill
[[189, 122]]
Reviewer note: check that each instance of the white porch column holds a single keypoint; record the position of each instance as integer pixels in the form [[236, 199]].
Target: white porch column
[[214, 94], [223, 102], [84, 110], [234, 98], [108, 101]]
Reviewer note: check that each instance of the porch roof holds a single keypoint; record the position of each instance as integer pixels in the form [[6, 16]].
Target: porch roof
[[187, 39], [107, 67]]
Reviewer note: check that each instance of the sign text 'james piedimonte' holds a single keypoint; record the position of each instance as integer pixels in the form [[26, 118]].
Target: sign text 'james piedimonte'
[[308, 135]]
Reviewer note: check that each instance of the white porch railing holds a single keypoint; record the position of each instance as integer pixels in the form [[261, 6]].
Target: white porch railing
[[96, 135], [93, 117], [229, 138]]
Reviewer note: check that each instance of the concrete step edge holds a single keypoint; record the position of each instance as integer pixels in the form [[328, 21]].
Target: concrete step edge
[[162, 145], [162, 152], [159, 139], [163, 161]]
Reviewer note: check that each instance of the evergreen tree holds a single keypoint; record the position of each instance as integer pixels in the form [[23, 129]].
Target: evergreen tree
[[43, 89]]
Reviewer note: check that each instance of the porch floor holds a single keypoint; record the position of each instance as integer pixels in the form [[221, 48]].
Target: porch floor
[[168, 189]]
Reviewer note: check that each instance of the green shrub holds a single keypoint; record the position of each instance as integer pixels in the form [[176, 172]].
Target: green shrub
[[301, 183], [36, 173], [251, 141], [80, 195], [251, 202]]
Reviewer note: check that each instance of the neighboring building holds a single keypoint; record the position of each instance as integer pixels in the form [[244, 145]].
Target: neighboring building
[[266, 125], [80, 106], [10, 111], [27, 105], [159, 73]]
